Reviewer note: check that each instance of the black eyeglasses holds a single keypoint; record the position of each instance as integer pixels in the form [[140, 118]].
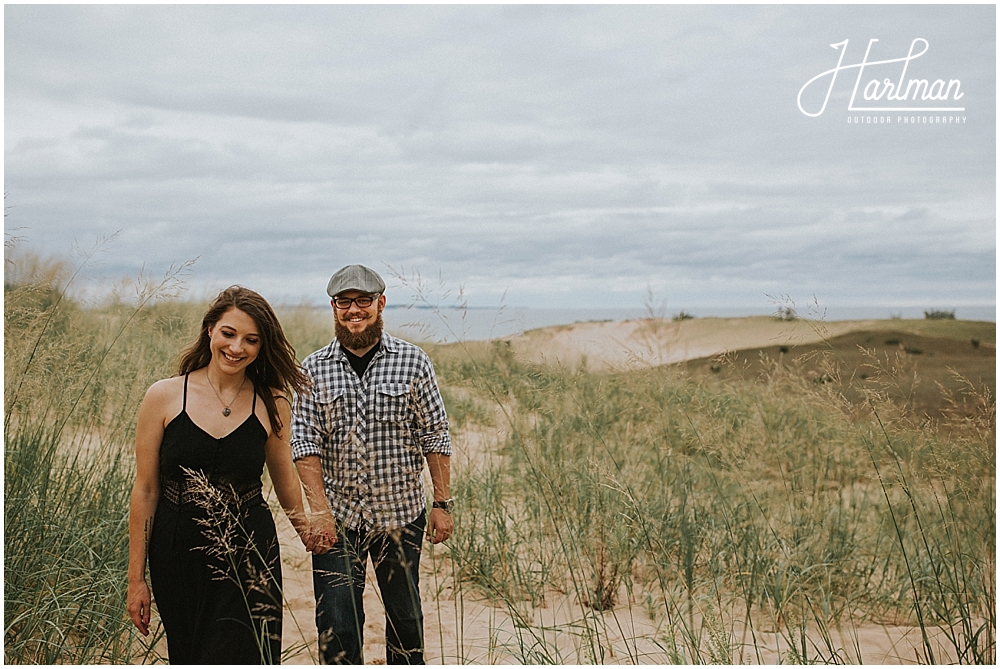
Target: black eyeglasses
[[363, 301]]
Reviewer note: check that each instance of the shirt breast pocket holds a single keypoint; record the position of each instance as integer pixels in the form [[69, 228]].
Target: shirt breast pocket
[[330, 406], [391, 400]]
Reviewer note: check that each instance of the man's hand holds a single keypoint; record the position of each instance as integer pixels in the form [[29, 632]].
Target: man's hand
[[440, 525]]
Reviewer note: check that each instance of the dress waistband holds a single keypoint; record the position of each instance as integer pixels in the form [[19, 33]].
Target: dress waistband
[[177, 494]]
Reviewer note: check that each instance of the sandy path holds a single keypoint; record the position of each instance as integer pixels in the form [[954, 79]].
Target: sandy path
[[299, 628], [298, 641]]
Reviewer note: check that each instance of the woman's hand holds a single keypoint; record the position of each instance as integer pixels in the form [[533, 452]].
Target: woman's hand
[[301, 527], [138, 605]]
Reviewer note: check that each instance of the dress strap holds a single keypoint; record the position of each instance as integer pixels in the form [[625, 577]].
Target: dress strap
[[185, 404], [253, 407]]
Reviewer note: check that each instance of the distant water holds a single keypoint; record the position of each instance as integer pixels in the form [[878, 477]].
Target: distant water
[[450, 325]]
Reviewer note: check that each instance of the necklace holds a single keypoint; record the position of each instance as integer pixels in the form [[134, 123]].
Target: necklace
[[225, 407]]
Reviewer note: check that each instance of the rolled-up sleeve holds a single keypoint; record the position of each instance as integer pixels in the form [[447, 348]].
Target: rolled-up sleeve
[[306, 435], [431, 419]]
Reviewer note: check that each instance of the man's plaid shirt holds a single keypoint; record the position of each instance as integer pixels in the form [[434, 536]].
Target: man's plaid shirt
[[372, 433]]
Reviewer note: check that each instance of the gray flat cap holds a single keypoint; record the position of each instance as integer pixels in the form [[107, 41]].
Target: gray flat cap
[[355, 277]]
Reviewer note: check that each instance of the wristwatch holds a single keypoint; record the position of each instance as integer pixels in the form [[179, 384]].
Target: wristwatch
[[447, 505]]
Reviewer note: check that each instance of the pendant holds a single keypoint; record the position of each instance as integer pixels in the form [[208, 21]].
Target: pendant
[[226, 412]]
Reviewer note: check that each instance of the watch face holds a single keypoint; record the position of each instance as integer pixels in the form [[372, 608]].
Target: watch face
[[446, 505]]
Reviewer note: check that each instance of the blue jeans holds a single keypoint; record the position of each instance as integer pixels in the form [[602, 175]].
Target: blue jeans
[[339, 585]]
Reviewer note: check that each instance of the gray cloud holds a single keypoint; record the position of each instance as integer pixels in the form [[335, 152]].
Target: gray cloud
[[567, 155]]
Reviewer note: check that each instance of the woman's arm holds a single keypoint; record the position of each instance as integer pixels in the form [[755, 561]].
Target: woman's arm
[[145, 495], [286, 482]]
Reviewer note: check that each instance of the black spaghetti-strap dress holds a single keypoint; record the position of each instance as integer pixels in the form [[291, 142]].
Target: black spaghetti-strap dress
[[214, 564]]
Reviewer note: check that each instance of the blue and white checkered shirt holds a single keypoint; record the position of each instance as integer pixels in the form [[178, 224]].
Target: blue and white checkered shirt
[[372, 433]]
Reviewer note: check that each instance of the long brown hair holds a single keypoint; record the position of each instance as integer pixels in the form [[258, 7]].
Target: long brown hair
[[275, 367]]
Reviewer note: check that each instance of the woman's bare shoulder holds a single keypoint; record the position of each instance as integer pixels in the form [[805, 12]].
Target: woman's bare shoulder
[[163, 401], [165, 390]]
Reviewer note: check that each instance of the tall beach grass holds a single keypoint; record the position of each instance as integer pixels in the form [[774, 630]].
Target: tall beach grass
[[74, 376], [762, 520], [648, 516]]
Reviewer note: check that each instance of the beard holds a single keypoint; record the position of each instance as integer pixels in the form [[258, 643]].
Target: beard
[[361, 340]]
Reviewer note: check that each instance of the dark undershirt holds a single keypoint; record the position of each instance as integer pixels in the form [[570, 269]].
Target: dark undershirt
[[360, 362]]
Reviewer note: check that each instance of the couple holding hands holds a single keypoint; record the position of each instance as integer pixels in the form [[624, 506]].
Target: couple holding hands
[[365, 416]]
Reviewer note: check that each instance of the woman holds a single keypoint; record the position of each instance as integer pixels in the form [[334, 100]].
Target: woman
[[202, 441]]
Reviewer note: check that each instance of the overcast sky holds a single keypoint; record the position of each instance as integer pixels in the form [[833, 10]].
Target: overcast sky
[[567, 156]]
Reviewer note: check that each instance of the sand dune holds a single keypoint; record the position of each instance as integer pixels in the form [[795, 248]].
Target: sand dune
[[649, 342]]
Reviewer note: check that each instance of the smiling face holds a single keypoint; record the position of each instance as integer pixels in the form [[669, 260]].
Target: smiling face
[[234, 341], [358, 328]]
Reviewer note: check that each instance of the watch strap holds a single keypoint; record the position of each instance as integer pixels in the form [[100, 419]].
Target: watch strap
[[447, 505]]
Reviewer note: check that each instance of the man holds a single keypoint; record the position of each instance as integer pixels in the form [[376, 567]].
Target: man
[[360, 438]]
